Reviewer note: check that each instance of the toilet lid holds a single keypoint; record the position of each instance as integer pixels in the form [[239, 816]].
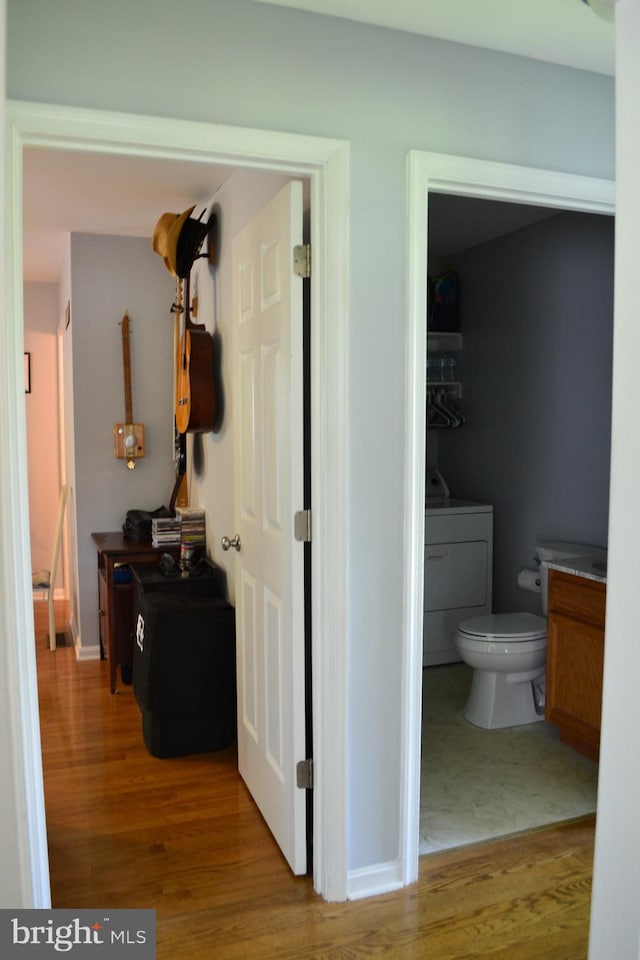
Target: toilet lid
[[506, 626]]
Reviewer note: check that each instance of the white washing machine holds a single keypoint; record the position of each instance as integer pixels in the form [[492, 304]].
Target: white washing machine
[[458, 567]]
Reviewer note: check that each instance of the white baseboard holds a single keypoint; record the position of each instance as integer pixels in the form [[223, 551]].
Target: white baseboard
[[86, 653], [82, 653], [374, 880]]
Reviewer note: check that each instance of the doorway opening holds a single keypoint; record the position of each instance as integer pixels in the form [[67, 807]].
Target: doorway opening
[[532, 352], [325, 163], [463, 177]]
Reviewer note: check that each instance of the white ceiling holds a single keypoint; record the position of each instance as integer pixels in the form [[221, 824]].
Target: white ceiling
[[557, 31], [87, 193], [92, 193]]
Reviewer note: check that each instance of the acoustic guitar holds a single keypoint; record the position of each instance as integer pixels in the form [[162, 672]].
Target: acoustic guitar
[[195, 392]]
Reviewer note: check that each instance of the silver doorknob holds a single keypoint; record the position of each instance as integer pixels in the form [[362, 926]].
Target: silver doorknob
[[233, 542]]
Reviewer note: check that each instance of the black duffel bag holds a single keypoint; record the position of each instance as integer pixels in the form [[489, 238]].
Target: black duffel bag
[[137, 524]]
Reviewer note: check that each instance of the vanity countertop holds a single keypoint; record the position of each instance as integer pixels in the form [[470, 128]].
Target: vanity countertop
[[591, 568]]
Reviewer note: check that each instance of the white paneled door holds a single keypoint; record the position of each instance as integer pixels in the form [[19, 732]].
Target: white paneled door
[[268, 427]]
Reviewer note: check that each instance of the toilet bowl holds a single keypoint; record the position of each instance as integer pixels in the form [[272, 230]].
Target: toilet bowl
[[508, 654]]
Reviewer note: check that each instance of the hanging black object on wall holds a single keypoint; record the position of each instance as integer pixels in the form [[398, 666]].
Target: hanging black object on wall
[[138, 523], [443, 303]]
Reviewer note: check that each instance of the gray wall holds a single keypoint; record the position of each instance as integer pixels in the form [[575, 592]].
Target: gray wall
[[537, 321], [386, 92], [615, 919], [108, 276]]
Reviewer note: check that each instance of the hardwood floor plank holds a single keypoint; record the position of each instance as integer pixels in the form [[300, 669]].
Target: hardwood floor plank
[[184, 837]]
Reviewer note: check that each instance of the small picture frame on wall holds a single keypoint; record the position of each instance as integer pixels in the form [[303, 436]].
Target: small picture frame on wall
[[27, 373]]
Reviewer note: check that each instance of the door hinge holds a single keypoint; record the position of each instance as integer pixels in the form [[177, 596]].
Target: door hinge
[[304, 774], [302, 526], [302, 260]]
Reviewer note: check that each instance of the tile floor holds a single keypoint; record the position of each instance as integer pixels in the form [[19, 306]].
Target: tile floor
[[477, 784]]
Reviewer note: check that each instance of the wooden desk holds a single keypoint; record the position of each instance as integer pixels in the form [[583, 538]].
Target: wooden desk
[[116, 599]]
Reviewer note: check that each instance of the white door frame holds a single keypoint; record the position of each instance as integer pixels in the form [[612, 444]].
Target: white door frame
[[326, 164], [462, 176], [62, 463]]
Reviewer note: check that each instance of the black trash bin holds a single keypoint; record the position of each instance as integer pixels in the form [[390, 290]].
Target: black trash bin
[[184, 665]]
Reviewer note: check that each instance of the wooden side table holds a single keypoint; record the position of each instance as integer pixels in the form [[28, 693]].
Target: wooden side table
[[116, 599]]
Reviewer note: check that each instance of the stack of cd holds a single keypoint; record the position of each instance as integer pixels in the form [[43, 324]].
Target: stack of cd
[[165, 531]]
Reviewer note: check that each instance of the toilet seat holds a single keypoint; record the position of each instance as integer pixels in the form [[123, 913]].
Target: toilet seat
[[507, 652], [505, 627]]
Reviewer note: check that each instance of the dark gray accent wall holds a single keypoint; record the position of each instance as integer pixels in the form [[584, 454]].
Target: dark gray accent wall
[[537, 319]]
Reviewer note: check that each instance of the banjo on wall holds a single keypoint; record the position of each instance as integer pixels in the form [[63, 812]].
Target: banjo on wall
[[128, 437]]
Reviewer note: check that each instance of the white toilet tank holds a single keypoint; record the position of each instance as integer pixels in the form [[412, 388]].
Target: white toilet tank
[[551, 551]]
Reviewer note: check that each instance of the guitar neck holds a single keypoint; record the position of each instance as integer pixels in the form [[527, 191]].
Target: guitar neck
[[126, 359]]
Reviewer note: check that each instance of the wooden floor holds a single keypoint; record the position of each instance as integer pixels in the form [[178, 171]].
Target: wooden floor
[[184, 837]]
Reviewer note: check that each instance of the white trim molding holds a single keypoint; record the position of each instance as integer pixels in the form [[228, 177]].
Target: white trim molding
[[84, 654], [326, 163], [462, 176], [375, 880]]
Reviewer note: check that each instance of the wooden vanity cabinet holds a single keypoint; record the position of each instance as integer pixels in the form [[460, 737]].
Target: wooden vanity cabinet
[[575, 659]]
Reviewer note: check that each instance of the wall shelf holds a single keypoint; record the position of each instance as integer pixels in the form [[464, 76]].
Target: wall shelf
[[441, 413]]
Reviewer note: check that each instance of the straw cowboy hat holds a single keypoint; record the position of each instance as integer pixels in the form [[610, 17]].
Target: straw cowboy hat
[[177, 237]]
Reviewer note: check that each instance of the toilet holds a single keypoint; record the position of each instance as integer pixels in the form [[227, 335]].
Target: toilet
[[507, 652]]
